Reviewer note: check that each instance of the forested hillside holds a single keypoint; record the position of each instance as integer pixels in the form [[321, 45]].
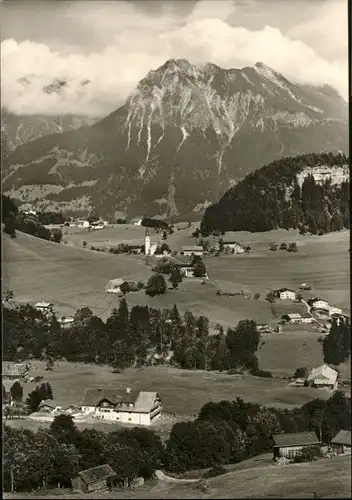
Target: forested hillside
[[307, 192]]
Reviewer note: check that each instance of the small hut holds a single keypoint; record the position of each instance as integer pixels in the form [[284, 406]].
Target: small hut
[[94, 480]]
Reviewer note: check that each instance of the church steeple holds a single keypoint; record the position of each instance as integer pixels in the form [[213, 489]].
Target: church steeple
[[147, 242]]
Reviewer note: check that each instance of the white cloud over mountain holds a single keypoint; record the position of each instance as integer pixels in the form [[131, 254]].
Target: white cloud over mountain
[[129, 42]]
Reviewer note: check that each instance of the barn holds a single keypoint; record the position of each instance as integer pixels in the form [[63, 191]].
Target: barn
[[291, 444], [341, 443], [94, 480]]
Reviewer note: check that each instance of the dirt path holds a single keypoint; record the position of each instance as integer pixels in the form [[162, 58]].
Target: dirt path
[[163, 477]]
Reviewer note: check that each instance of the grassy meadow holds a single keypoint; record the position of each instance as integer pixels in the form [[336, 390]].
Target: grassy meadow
[[183, 392], [327, 478]]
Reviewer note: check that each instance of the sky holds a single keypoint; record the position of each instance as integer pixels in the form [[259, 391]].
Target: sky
[[114, 44]]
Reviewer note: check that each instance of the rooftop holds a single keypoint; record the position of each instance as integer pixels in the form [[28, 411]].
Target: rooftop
[[342, 437], [97, 474], [295, 439], [43, 304], [323, 371], [142, 400], [194, 248]]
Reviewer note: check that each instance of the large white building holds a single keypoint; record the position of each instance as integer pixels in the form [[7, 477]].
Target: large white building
[[319, 303], [125, 406], [286, 294], [192, 250], [323, 377]]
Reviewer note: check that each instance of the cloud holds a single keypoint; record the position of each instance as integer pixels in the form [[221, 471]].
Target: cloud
[[132, 42]]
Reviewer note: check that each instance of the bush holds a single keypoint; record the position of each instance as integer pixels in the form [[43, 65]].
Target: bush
[[301, 372], [156, 285], [261, 373], [256, 296], [217, 470], [84, 243], [140, 285], [309, 454], [283, 246]]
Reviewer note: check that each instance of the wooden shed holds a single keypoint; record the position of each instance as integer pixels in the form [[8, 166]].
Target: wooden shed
[[291, 444], [93, 480], [341, 443]]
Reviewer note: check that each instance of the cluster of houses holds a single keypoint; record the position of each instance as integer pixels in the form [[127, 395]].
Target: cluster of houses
[[289, 445], [85, 224], [47, 308]]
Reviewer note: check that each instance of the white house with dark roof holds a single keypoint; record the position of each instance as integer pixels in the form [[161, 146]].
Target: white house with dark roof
[[285, 294], [44, 307], [292, 318], [192, 250], [317, 303], [125, 406]]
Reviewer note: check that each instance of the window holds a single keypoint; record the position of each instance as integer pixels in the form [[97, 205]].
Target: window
[[129, 419]]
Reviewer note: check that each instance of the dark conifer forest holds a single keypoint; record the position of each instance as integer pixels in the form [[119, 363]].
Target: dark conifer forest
[[272, 198]]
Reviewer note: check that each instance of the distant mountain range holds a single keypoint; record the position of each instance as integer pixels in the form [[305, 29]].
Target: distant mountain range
[[182, 138], [19, 129]]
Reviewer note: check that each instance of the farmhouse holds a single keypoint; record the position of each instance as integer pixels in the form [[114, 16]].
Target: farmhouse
[[65, 321], [94, 480], [334, 310], [27, 209], [186, 270], [341, 443], [340, 317], [307, 318], [323, 377], [233, 245], [114, 286], [318, 303], [292, 444], [192, 250], [13, 371], [285, 294], [292, 318], [137, 221], [44, 307], [48, 406], [80, 223], [126, 406]]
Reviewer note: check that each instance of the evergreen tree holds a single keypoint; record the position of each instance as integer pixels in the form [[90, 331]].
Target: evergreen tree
[[16, 391]]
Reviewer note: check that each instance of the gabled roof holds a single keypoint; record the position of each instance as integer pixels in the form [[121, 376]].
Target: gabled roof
[[96, 474], [294, 315], [93, 396], [342, 437], [143, 400], [43, 304], [194, 248], [323, 371], [8, 384], [11, 368], [306, 315], [279, 290], [49, 402], [295, 439]]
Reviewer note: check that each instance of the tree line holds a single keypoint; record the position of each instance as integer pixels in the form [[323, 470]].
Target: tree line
[[134, 337], [223, 433], [272, 198], [34, 225]]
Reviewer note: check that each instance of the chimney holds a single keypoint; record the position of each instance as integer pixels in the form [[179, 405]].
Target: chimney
[[128, 390]]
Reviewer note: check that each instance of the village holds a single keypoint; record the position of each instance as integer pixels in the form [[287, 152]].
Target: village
[[123, 405]]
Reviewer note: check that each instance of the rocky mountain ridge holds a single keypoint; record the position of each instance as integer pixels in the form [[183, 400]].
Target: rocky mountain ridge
[[185, 135], [16, 130]]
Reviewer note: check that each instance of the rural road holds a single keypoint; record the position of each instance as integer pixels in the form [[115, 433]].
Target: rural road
[[160, 475]]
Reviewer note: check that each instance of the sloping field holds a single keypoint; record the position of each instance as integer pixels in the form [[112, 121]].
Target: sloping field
[[321, 261], [327, 478], [71, 278], [183, 392]]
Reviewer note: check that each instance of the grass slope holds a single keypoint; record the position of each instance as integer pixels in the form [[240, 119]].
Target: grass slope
[[183, 392], [328, 478]]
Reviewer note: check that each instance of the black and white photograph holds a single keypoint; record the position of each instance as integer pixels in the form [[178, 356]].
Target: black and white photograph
[[175, 231]]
